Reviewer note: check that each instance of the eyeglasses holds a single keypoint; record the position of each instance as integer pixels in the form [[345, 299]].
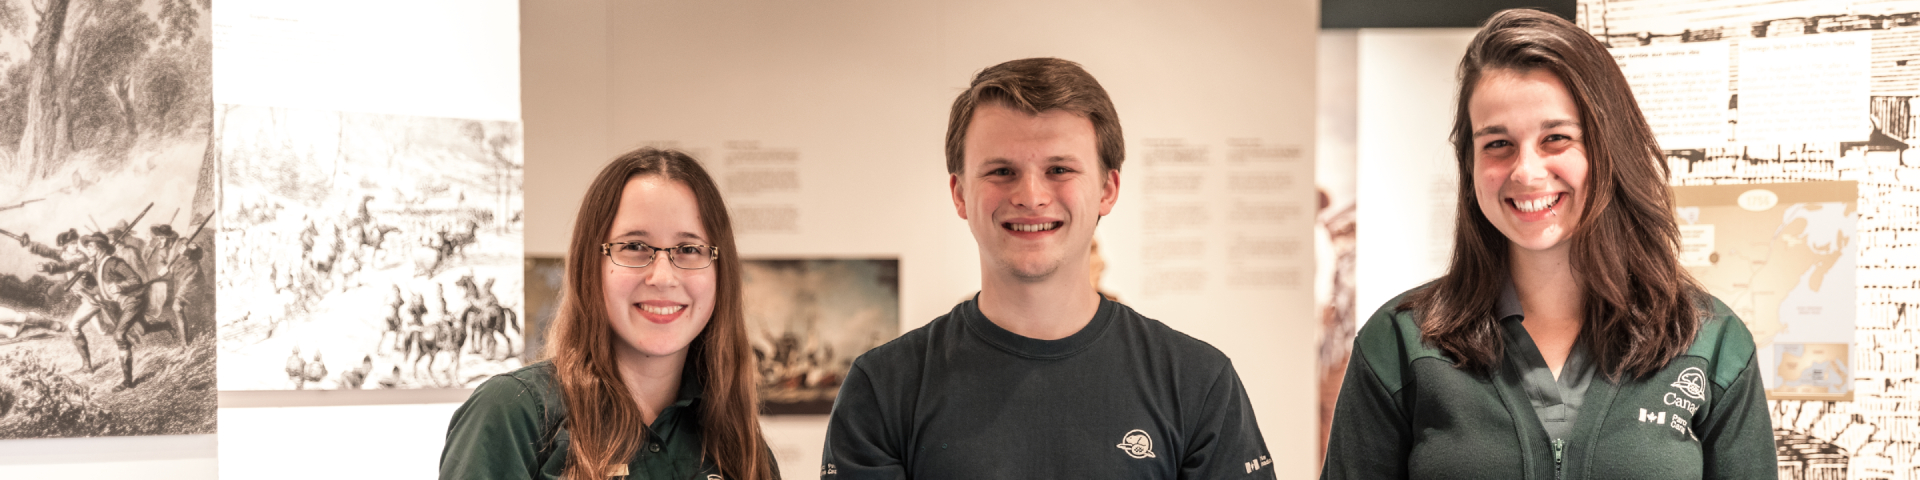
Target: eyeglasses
[[639, 255]]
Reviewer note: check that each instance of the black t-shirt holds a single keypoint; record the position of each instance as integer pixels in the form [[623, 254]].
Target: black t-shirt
[[1125, 397]]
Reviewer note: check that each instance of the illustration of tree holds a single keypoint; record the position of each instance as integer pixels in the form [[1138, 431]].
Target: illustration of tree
[[13, 81], [99, 74], [111, 38], [40, 137]]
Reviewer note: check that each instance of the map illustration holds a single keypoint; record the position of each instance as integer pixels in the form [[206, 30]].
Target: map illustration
[[1782, 255]]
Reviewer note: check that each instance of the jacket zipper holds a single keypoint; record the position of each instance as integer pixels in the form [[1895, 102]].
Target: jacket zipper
[[1559, 454]]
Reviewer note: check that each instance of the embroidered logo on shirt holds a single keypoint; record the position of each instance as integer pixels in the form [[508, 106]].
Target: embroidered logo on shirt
[[1137, 444], [1256, 463], [1655, 417], [1692, 382], [1678, 423], [828, 470]]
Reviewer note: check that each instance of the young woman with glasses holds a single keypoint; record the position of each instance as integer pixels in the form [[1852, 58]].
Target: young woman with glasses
[[650, 375]]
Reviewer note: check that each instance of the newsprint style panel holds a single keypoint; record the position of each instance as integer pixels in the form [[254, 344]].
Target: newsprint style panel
[[106, 316], [367, 251], [1789, 65]]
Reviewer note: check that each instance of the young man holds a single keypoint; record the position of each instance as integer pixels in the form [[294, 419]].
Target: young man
[[1038, 376]]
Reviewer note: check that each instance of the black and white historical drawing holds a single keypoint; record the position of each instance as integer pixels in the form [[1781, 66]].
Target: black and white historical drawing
[[366, 250], [1807, 91], [106, 298], [808, 318]]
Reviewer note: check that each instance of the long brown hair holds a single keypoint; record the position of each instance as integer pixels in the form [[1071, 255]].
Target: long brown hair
[[1640, 303], [603, 419]]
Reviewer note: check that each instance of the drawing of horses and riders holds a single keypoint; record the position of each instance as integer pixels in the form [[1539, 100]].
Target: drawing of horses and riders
[[396, 294]]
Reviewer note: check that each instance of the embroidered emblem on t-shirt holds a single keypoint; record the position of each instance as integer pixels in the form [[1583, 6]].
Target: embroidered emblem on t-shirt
[[1692, 382], [1258, 463], [1137, 444]]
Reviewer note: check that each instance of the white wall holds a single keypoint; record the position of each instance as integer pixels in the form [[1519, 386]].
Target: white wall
[[1406, 97]]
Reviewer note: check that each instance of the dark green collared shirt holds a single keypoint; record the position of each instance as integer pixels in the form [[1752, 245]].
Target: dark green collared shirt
[[1405, 412], [502, 433]]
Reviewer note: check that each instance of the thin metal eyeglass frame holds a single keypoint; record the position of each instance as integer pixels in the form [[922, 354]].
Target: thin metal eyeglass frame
[[672, 258]]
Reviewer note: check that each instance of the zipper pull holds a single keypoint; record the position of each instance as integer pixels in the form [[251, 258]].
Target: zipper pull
[[1559, 454]]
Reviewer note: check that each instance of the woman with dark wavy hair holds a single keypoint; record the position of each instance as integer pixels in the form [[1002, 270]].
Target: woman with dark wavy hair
[[651, 376], [1565, 340]]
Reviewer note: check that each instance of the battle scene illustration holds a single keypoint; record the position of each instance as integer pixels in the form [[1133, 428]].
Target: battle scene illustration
[[106, 298], [366, 250], [807, 319]]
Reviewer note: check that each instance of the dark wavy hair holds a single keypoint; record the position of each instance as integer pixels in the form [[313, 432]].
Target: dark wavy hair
[[1641, 305]]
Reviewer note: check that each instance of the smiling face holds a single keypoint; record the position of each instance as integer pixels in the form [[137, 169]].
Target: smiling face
[[1032, 190], [657, 310], [1530, 159]]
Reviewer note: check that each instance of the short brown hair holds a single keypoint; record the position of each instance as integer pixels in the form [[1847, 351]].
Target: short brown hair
[[1035, 85], [1642, 308]]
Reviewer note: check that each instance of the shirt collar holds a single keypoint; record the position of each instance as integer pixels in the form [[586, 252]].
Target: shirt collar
[[691, 390], [1509, 304]]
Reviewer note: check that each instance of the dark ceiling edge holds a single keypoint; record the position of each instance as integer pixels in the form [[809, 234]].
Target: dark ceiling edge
[[1427, 13]]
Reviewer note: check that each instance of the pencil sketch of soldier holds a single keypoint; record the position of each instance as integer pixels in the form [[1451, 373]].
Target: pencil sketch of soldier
[[113, 292], [18, 322], [175, 269], [395, 321]]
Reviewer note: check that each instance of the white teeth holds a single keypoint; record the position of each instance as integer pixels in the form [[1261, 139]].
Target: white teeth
[[1535, 205], [1034, 227], [662, 310]]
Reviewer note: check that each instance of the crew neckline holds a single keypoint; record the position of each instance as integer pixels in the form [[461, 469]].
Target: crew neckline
[[1028, 347]]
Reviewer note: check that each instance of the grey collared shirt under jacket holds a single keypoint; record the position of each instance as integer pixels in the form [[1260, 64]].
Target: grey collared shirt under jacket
[[1555, 400]]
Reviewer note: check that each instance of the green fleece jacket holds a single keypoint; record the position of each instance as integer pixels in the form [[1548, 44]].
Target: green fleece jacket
[[1405, 412]]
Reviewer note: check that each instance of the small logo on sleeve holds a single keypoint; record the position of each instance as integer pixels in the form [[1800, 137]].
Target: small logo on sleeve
[[1692, 382], [1257, 463], [1656, 416], [1137, 444]]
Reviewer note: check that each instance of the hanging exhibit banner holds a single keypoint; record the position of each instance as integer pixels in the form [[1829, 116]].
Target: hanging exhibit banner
[[1800, 231], [367, 250], [106, 315], [1781, 255]]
